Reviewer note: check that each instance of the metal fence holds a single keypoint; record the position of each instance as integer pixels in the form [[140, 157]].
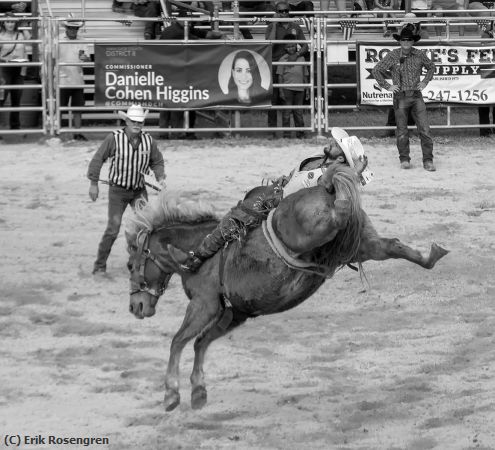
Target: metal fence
[[31, 109], [41, 109]]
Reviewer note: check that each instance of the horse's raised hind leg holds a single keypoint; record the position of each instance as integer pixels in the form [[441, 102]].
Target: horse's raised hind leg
[[198, 385], [379, 249], [200, 313]]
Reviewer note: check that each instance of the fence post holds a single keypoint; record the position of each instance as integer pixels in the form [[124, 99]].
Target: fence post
[[235, 10], [319, 118]]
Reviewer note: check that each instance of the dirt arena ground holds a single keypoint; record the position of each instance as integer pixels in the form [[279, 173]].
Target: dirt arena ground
[[407, 362]]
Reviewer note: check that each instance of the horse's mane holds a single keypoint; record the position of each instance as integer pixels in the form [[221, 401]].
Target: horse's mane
[[344, 247], [166, 209]]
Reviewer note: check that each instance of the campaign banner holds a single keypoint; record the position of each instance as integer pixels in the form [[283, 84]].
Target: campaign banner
[[177, 76], [463, 73]]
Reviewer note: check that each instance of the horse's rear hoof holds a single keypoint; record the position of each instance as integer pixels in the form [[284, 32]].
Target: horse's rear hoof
[[172, 400], [437, 253], [440, 252], [198, 397]]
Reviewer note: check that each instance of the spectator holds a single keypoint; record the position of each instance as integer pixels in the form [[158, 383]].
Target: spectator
[[301, 5], [476, 4], [176, 31], [12, 52], [385, 6], [484, 116], [406, 65], [339, 4], [119, 7], [16, 7], [414, 26], [486, 26], [149, 9], [131, 153], [172, 119], [292, 95], [73, 75], [420, 7], [250, 7], [278, 31], [439, 5]]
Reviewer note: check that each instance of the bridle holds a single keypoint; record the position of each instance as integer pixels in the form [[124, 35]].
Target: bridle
[[143, 254]]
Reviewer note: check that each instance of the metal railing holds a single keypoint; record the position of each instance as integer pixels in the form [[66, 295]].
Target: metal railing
[[33, 114], [445, 29], [322, 29]]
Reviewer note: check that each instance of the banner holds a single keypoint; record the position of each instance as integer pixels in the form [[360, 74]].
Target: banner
[[463, 73], [188, 76]]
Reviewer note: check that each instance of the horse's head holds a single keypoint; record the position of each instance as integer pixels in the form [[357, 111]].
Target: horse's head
[[169, 219], [150, 273]]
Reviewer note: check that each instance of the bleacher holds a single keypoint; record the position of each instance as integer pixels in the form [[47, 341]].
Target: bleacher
[[95, 10], [122, 27]]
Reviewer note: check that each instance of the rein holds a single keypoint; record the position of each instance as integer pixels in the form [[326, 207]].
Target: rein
[[143, 253], [283, 252]]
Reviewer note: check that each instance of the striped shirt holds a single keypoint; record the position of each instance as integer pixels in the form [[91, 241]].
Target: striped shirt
[[127, 161], [406, 75]]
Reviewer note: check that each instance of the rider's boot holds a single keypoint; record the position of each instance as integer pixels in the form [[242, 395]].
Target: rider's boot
[[192, 261]]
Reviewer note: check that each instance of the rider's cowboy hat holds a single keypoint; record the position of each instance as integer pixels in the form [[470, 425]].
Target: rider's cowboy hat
[[406, 33], [71, 23], [342, 139], [136, 113], [352, 148], [338, 134]]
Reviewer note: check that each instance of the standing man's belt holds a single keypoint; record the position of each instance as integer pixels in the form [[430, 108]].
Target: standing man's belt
[[408, 93]]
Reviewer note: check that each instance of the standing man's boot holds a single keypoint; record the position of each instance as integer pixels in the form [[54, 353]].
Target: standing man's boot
[[192, 261]]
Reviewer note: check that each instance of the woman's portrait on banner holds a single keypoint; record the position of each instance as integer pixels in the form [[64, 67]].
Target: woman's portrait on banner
[[244, 76]]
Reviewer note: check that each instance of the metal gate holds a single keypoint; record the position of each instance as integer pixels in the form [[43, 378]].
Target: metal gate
[[41, 110]]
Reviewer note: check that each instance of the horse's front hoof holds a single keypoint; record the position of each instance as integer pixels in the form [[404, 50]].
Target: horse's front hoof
[[172, 400], [198, 397]]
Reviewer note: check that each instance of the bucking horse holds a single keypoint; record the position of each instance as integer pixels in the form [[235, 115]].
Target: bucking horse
[[273, 268]]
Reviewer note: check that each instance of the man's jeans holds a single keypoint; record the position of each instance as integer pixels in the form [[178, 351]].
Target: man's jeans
[[118, 200], [403, 103], [293, 98]]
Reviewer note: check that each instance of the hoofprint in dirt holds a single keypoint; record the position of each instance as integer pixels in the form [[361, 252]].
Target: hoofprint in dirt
[[404, 362]]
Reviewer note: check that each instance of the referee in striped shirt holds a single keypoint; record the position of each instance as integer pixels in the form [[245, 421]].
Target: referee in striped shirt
[[131, 152]]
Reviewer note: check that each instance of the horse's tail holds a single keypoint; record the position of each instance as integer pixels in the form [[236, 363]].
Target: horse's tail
[[344, 247]]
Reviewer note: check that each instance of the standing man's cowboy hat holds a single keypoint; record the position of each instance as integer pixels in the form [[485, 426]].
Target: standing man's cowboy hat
[[136, 113], [407, 33]]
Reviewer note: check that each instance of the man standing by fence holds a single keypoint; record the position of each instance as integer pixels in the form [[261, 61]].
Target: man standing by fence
[[406, 64], [71, 76], [278, 31]]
